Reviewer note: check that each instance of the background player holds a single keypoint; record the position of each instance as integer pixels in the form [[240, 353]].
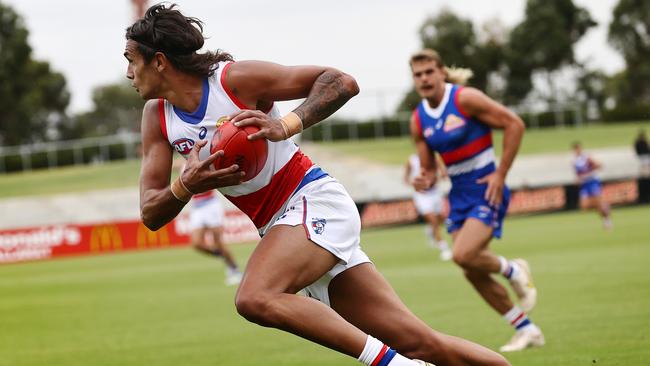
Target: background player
[[310, 226], [206, 225], [590, 188], [429, 204], [457, 123]]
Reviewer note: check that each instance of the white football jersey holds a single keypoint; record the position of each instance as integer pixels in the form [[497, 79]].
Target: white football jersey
[[262, 196]]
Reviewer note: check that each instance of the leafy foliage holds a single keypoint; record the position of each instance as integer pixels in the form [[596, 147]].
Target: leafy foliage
[[629, 32], [117, 108], [33, 98], [543, 42]]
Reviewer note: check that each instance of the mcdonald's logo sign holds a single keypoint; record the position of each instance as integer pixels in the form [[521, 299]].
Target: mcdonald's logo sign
[[148, 238], [105, 237]]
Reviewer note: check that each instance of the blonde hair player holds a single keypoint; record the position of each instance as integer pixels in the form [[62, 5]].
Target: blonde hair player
[[456, 122], [310, 226]]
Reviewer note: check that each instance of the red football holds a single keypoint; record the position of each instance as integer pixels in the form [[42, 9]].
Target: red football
[[249, 155]]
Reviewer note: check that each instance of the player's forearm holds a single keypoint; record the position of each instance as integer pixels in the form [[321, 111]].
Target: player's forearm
[[330, 92], [158, 207], [512, 136]]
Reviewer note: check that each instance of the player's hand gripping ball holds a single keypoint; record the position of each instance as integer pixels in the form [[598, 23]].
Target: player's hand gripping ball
[[250, 156]]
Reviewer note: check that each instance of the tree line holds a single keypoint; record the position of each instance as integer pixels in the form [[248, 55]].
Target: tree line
[[533, 62]]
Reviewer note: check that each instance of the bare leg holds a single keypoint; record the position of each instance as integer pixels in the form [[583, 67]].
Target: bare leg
[[472, 254], [364, 298], [283, 263], [602, 206], [199, 243], [434, 222], [220, 246]]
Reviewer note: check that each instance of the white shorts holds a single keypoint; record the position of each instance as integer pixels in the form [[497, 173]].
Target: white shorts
[[331, 220], [428, 202], [206, 213]]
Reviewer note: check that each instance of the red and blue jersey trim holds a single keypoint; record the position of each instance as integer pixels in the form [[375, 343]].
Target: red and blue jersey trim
[[231, 94], [469, 150], [161, 115], [264, 203]]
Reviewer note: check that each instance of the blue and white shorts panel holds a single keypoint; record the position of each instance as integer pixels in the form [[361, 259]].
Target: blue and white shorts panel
[[591, 188]]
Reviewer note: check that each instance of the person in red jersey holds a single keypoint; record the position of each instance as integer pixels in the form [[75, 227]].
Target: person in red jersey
[[310, 226]]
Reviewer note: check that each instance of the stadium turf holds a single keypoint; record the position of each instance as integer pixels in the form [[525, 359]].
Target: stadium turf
[[170, 307]]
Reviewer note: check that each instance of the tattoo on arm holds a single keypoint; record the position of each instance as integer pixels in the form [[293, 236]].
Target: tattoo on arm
[[329, 93]]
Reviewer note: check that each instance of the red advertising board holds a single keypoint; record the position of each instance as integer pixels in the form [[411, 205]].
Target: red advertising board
[[62, 240]]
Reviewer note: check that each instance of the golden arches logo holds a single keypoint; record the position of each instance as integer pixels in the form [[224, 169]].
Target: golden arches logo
[[148, 238], [105, 237]]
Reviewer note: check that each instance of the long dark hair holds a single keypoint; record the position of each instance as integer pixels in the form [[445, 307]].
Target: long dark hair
[[165, 29]]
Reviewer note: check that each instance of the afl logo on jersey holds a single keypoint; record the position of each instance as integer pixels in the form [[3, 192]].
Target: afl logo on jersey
[[202, 132], [183, 146]]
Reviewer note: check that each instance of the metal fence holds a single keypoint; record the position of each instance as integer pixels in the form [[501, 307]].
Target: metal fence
[[72, 152], [127, 146]]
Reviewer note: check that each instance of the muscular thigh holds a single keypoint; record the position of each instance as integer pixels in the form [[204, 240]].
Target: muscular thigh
[[473, 237], [198, 236], [286, 261], [364, 298]]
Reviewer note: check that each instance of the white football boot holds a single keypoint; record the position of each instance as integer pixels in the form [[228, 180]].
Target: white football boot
[[530, 336], [446, 255], [522, 284], [233, 277]]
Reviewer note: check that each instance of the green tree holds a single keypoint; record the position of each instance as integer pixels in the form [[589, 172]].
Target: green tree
[[543, 42], [629, 32], [33, 98], [117, 109]]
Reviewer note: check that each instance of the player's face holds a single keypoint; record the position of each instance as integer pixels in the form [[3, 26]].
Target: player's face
[[144, 77], [429, 79]]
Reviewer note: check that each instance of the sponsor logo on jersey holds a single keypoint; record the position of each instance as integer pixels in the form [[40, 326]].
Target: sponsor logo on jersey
[[453, 122], [428, 132], [202, 132], [183, 145], [318, 225]]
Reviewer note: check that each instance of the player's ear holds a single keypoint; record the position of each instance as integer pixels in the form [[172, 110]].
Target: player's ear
[[160, 61]]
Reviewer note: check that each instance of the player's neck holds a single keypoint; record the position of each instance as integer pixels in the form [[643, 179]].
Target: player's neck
[[185, 92]]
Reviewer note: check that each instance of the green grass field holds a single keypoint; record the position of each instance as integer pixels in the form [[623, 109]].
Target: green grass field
[[170, 307]]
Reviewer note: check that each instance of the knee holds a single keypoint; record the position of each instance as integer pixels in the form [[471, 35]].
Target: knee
[[255, 307], [463, 258]]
